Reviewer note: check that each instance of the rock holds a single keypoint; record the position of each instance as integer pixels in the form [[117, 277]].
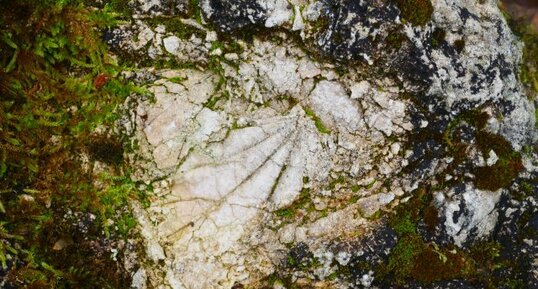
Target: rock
[[469, 215], [139, 279], [286, 133], [492, 159], [334, 107], [171, 44]]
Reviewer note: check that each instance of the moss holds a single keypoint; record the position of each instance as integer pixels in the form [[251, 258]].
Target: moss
[[395, 39], [529, 65], [514, 284], [175, 26], [321, 24], [292, 210], [317, 121], [459, 45], [417, 12], [509, 164], [402, 257], [435, 264], [403, 225], [60, 88], [120, 6], [438, 37], [505, 170], [485, 254], [413, 259], [106, 149], [431, 217], [194, 6]]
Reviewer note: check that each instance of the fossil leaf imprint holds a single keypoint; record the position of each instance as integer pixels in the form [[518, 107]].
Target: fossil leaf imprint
[[261, 167]]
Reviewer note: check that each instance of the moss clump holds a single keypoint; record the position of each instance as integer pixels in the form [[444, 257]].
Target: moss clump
[[417, 12], [494, 177], [317, 121], [529, 65], [431, 217], [106, 149], [413, 259], [57, 86], [505, 170], [404, 224], [459, 45], [396, 39], [435, 264], [438, 37], [403, 255]]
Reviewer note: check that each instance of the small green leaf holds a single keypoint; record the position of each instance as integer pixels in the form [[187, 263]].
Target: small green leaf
[[33, 167], [14, 141], [12, 62], [7, 39], [3, 169]]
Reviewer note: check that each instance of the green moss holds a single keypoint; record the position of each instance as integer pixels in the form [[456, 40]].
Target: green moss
[[340, 180], [438, 37], [58, 85], [529, 65], [321, 24], [417, 12], [194, 6], [302, 202], [120, 6], [395, 39], [175, 26], [317, 121], [414, 259], [177, 79], [404, 225], [402, 257]]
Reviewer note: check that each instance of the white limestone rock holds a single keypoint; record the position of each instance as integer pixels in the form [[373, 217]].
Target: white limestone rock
[[335, 107], [470, 212], [171, 44]]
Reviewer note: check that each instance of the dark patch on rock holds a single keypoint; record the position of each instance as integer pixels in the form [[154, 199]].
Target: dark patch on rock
[[230, 16], [366, 254], [298, 255], [341, 39]]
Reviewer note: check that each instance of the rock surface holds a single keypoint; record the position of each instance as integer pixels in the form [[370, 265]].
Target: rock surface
[[284, 136]]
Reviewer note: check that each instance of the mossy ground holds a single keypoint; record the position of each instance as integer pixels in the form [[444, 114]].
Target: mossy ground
[[58, 85]]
